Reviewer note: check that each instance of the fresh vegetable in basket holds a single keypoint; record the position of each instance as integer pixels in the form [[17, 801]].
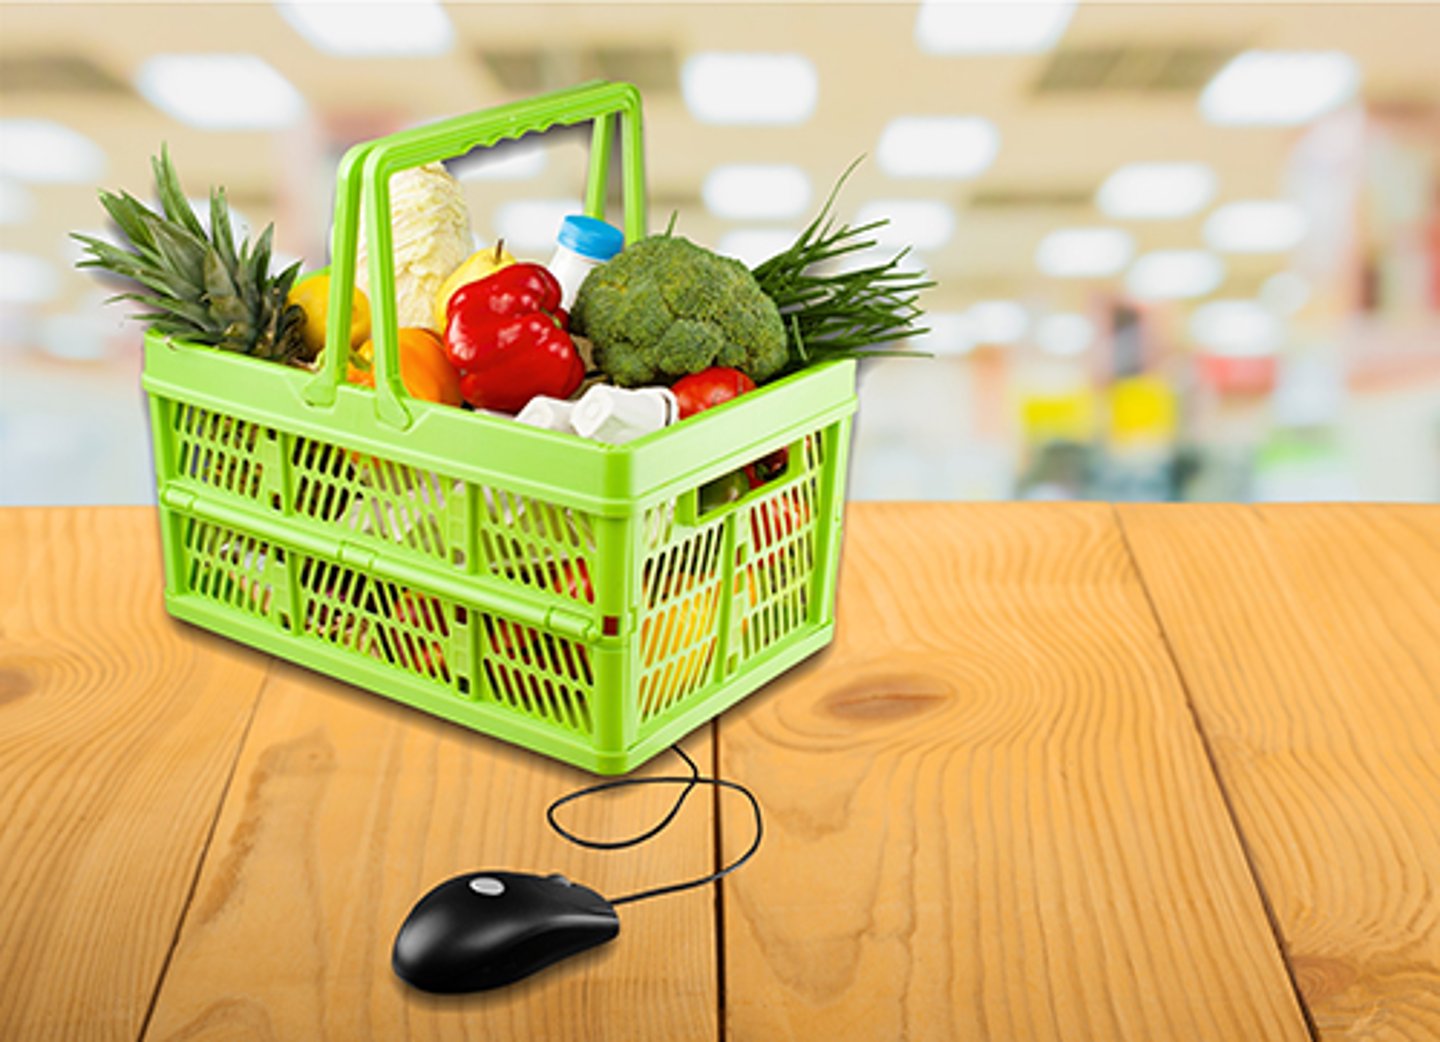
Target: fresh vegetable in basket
[[664, 307], [198, 285], [840, 314], [430, 238], [424, 366], [504, 336]]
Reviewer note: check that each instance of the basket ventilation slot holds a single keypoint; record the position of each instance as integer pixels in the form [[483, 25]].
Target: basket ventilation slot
[[218, 450], [538, 544], [375, 497], [537, 673], [383, 620], [230, 567], [679, 630], [782, 558]]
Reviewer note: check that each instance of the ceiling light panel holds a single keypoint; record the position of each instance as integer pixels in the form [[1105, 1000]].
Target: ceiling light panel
[[951, 147], [46, 152], [752, 246], [953, 27], [1065, 334], [1073, 253], [16, 203], [925, 224], [750, 89], [1156, 191], [999, 321], [1236, 328], [26, 279], [1279, 88], [1256, 226], [1285, 292], [1174, 275], [419, 28], [220, 91], [756, 191], [951, 333]]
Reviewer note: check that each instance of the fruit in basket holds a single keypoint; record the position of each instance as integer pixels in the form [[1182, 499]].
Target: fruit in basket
[[663, 308], [709, 388], [424, 367], [312, 295], [430, 233], [201, 286], [505, 340], [478, 265]]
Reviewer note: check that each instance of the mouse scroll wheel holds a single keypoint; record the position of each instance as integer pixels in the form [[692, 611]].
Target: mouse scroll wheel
[[489, 886], [558, 878]]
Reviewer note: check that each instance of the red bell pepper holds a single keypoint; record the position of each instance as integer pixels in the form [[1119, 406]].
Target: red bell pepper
[[504, 335]]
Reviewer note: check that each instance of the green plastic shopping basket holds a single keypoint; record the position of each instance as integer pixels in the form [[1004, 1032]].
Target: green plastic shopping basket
[[569, 596]]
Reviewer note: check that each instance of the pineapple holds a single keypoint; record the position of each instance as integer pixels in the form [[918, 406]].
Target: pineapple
[[201, 288]]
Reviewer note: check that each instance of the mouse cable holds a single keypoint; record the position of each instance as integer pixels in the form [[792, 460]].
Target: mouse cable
[[619, 844]]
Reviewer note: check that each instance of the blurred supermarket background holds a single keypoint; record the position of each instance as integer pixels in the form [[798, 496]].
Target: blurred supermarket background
[[1183, 251]]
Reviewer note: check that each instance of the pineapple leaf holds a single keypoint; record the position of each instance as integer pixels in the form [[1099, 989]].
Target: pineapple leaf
[[250, 290], [193, 283], [180, 253], [104, 254], [221, 231], [172, 196], [219, 283], [286, 279], [129, 214], [260, 259], [169, 307]]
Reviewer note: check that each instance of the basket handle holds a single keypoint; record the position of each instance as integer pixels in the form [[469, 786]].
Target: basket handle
[[364, 179]]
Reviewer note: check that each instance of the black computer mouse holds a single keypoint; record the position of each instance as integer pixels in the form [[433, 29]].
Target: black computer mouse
[[487, 929]]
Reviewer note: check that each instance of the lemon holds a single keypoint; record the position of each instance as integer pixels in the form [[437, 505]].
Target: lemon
[[476, 267], [313, 296]]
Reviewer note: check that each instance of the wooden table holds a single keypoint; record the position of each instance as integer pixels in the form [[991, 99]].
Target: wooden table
[[1068, 772]]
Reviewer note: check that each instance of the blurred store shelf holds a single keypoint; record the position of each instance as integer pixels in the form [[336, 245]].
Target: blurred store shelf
[[1152, 282]]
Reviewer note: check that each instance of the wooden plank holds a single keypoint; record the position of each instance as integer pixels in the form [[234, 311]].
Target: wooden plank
[[347, 808], [118, 731], [989, 815], [1309, 640]]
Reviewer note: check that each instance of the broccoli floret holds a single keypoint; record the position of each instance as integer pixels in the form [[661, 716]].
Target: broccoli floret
[[664, 307]]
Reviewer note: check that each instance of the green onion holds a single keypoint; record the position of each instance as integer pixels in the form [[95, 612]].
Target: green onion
[[848, 314]]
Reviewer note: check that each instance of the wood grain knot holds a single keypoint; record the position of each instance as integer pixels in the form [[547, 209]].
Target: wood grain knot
[[14, 684], [1321, 976], [887, 698]]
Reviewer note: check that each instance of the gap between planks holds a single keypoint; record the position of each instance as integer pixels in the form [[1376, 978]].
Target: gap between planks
[[717, 847], [1276, 931], [204, 852]]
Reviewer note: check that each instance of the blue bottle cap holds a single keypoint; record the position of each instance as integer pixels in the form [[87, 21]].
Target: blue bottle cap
[[591, 237]]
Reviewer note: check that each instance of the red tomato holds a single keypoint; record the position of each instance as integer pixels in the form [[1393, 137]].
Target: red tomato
[[709, 388]]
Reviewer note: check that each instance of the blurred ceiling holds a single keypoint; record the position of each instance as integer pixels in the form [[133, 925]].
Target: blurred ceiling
[[1120, 88]]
